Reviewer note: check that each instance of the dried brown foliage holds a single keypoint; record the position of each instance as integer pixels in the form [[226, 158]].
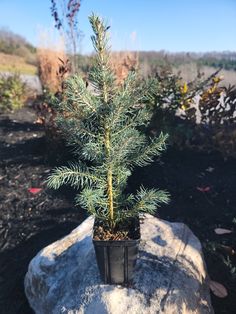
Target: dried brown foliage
[[46, 113], [49, 67], [123, 62]]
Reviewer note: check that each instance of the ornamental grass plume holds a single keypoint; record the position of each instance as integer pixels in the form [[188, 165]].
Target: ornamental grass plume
[[104, 126]]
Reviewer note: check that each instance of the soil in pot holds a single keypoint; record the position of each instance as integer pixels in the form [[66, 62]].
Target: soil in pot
[[116, 251]]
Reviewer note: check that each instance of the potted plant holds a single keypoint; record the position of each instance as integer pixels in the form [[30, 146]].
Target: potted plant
[[104, 125]]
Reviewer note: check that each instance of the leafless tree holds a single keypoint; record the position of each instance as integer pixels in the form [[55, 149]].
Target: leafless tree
[[65, 14]]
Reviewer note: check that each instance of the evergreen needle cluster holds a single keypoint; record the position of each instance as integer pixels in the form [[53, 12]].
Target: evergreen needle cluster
[[103, 124]]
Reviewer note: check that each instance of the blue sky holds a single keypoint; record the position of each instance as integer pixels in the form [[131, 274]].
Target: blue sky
[[171, 25]]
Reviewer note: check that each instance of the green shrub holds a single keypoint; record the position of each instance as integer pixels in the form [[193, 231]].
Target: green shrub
[[12, 92], [198, 114]]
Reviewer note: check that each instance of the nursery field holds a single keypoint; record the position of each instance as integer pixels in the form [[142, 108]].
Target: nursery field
[[202, 188]]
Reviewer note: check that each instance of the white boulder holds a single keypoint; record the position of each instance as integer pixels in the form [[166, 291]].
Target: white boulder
[[170, 275]]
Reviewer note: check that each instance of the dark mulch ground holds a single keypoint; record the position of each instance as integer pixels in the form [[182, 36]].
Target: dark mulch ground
[[30, 222], [182, 173]]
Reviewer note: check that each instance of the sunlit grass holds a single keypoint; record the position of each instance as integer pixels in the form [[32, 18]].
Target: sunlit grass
[[13, 64]]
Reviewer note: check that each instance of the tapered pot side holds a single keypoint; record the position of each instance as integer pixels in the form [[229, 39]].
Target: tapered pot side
[[116, 259]]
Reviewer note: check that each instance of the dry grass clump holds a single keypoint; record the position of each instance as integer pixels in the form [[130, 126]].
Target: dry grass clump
[[122, 62], [51, 56], [49, 64]]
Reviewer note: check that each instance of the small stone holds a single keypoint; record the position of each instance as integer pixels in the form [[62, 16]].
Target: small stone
[[170, 275]]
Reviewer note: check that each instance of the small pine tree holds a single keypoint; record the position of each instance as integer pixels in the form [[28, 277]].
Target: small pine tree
[[104, 125]]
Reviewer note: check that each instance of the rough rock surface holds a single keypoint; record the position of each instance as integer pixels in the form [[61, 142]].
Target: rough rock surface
[[170, 275], [32, 81]]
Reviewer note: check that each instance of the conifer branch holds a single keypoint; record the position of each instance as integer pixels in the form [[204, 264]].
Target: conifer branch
[[147, 153], [149, 200], [75, 175], [146, 201], [94, 201], [78, 94]]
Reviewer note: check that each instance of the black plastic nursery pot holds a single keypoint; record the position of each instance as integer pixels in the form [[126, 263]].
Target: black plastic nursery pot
[[116, 259]]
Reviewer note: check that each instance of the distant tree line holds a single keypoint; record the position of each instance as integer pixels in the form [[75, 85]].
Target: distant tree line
[[225, 60], [14, 44], [226, 64]]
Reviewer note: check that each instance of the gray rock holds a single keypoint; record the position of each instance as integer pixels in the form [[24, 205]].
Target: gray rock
[[170, 275], [31, 81]]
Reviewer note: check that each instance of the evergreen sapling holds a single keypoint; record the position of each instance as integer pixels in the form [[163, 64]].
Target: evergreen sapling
[[103, 124]]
